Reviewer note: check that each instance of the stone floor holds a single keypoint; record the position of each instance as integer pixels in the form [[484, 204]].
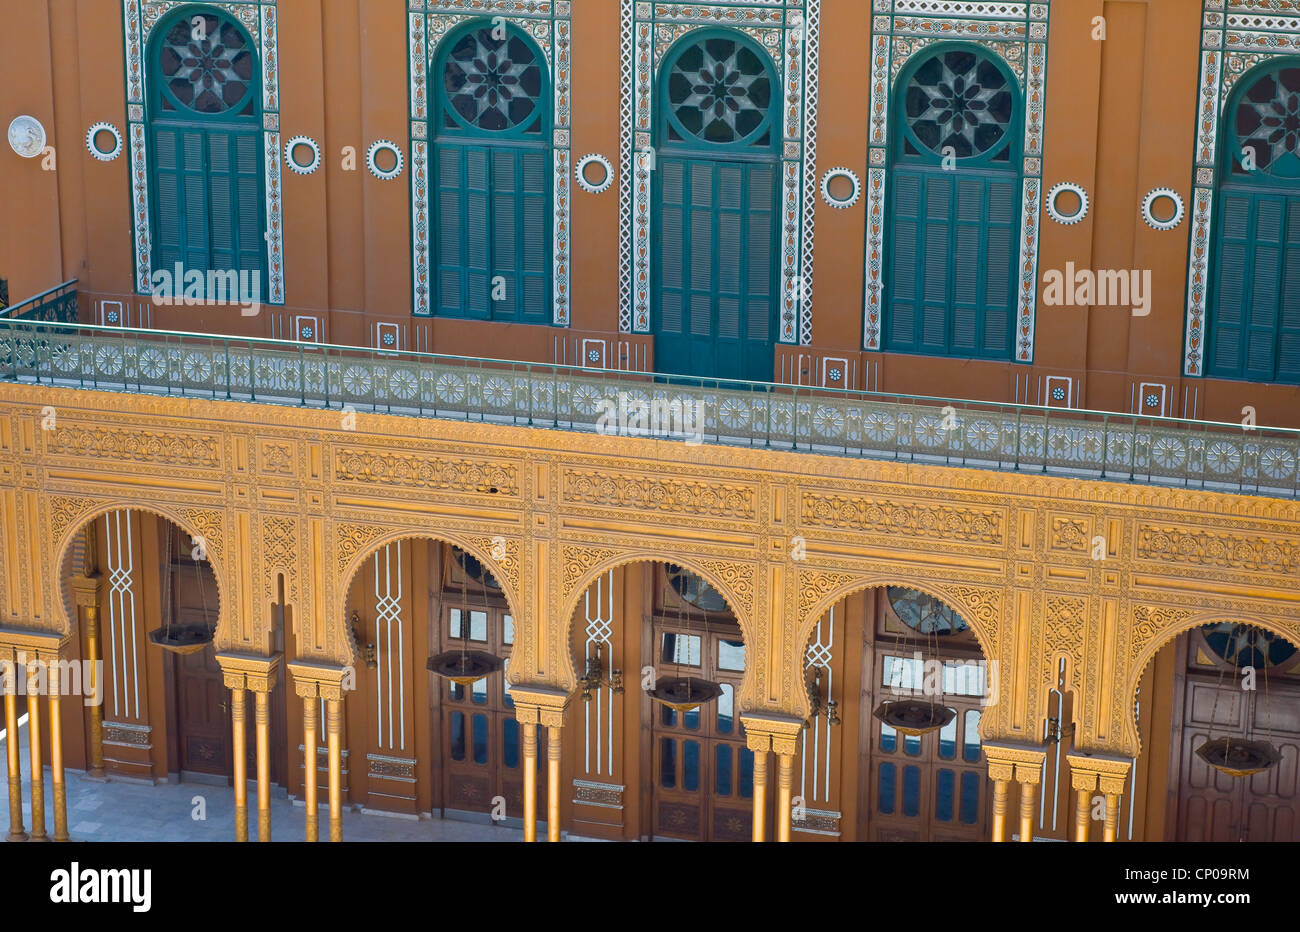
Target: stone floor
[[116, 811]]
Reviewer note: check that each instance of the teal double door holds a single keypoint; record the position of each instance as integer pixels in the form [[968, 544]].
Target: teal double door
[[715, 283]]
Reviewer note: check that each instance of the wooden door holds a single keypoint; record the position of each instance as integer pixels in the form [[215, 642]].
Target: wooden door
[[703, 775], [482, 748], [202, 700], [1211, 805]]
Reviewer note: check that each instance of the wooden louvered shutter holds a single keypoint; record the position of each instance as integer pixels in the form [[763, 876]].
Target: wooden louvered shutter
[[506, 233], [247, 179], [168, 241], [535, 252], [934, 265], [671, 249], [1001, 258], [195, 207], [1231, 293], [904, 274], [967, 267], [1288, 332], [760, 287], [222, 202], [1266, 291], [477, 250], [449, 245]]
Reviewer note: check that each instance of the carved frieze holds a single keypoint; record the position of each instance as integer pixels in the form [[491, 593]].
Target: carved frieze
[[1236, 552], [155, 447], [426, 472], [903, 518], [664, 494]]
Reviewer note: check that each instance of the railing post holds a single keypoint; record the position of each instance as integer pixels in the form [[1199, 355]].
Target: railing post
[[1133, 452], [1105, 442], [302, 374], [1018, 412], [1046, 435]]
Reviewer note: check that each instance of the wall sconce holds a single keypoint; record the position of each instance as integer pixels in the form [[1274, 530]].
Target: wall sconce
[[367, 649], [817, 698], [594, 678]]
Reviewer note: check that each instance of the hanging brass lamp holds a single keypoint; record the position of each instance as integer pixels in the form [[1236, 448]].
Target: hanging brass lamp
[[684, 693], [1237, 756], [188, 638], [913, 717]]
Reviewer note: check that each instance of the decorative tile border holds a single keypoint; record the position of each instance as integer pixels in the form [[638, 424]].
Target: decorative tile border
[[259, 17], [548, 22], [788, 30], [1016, 31], [1236, 35]]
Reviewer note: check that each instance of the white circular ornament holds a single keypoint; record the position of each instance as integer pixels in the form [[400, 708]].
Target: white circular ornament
[[838, 202], [383, 145], [579, 173], [294, 165], [104, 155], [1055, 213], [1149, 201]]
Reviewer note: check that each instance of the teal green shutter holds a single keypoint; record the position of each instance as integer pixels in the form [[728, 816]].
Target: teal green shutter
[[905, 290], [168, 244], [478, 241], [1288, 334], [534, 255], [761, 289], [1232, 267], [1266, 293]]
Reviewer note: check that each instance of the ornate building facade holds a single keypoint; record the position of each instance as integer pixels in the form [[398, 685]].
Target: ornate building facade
[[758, 419]]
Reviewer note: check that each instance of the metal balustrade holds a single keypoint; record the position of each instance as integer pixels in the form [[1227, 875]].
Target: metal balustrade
[[39, 345]]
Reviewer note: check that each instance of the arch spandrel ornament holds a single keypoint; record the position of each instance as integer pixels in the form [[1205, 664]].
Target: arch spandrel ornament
[[819, 589], [1155, 627], [734, 580], [64, 517], [355, 543]]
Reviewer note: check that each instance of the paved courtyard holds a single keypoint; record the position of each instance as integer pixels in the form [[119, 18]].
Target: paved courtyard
[[116, 811]]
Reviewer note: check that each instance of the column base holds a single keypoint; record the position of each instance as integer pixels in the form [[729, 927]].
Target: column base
[[17, 836], [98, 774]]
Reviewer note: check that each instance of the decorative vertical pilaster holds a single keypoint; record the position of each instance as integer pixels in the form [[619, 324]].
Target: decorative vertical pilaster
[[1028, 778], [528, 731], [1001, 775], [553, 734], [255, 672], [56, 748], [334, 741], [262, 711], [759, 745], [309, 727], [96, 767], [239, 754], [314, 682]]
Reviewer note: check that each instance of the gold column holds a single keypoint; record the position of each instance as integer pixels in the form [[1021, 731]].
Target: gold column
[[240, 756], [760, 785], [553, 733], [1082, 815], [1112, 817], [56, 763], [334, 738], [96, 768], [1028, 797], [1091, 771], [529, 730], [784, 779], [309, 717], [38, 770], [1001, 775], [262, 710], [16, 830]]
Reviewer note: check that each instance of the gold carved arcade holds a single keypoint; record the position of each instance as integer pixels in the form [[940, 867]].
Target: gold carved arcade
[[287, 499]]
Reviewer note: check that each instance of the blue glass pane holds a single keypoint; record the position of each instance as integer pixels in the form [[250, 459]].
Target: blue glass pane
[[691, 766], [971, 742], [723, 781], [970, 798], [510, 741], [667, 763], [888, 738], [479, 691], [911, 790], [746, 773], [480, 738], [457, 735], [668, 716], [691, 718], [725, 709], [457, 692], [943, 790], [912, 744], [948, 740], [885, 797]]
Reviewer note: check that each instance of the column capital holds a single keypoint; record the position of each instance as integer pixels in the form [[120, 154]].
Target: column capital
[[536, 704], [43, 645], [248, 671], [1095, 770], [771, 730], [313, 680], [85, 590], [1025, 761]]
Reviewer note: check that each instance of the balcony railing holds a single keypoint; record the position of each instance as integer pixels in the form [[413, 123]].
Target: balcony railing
[[36, 346]]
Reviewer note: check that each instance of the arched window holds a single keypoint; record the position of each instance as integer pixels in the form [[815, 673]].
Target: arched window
[[954, 205], [1255, 322], [492, 158], [715, 280], [205, 151]]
